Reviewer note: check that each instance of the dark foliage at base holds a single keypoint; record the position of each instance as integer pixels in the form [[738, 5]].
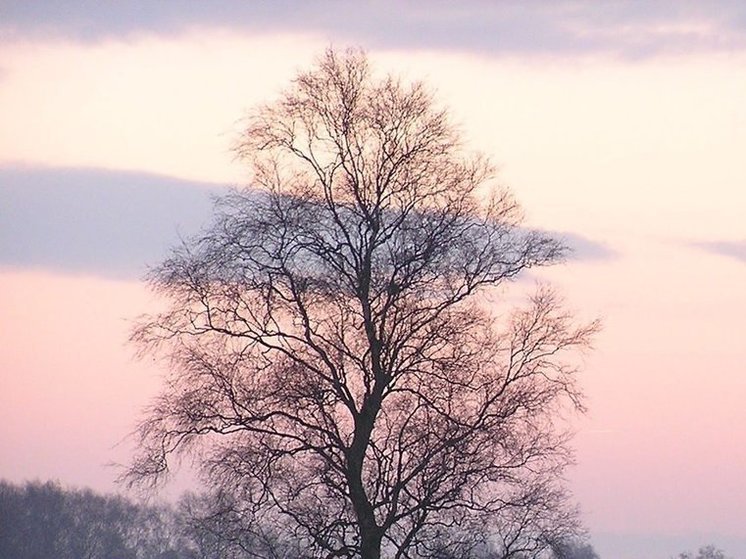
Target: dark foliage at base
[[48, 521]]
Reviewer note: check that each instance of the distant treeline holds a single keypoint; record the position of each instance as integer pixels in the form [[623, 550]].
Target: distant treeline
[[48, 521], [45, 520]]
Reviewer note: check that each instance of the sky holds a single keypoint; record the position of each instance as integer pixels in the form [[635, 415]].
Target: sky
[[620, 127]]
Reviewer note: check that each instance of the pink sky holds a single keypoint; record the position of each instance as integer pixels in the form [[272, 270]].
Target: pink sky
[[640, 153]]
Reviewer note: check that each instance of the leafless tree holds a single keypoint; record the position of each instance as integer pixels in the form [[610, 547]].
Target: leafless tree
[[336, 360], [704, 552]]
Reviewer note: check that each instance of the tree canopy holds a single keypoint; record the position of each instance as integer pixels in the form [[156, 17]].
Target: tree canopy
[[337, 366]]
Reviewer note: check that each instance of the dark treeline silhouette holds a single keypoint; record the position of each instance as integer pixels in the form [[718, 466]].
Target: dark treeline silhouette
[[704, 552], [48, 521], [44, 520]]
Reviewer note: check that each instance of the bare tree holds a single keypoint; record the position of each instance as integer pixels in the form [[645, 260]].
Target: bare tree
[[704, 552], [40, 521], [336, 361], [573, 548]]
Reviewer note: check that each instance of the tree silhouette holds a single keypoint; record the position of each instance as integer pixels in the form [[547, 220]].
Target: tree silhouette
[[45, 521], [337, 363], [704, 552]]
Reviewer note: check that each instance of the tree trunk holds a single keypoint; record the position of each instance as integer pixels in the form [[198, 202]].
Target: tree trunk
[[370, 532], [370, 544]]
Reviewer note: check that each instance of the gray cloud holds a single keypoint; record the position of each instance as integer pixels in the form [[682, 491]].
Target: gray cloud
[[582, 248], [108, 223], [511, 26], [115, 223], [732, 249]]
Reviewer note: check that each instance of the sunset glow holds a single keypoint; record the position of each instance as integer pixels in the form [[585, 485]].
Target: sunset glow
[[628, 139]]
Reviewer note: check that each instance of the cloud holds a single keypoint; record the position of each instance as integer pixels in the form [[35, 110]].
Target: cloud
[[582, 248], [115, 223], [626, 28], [732, 249], [109, 223]]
